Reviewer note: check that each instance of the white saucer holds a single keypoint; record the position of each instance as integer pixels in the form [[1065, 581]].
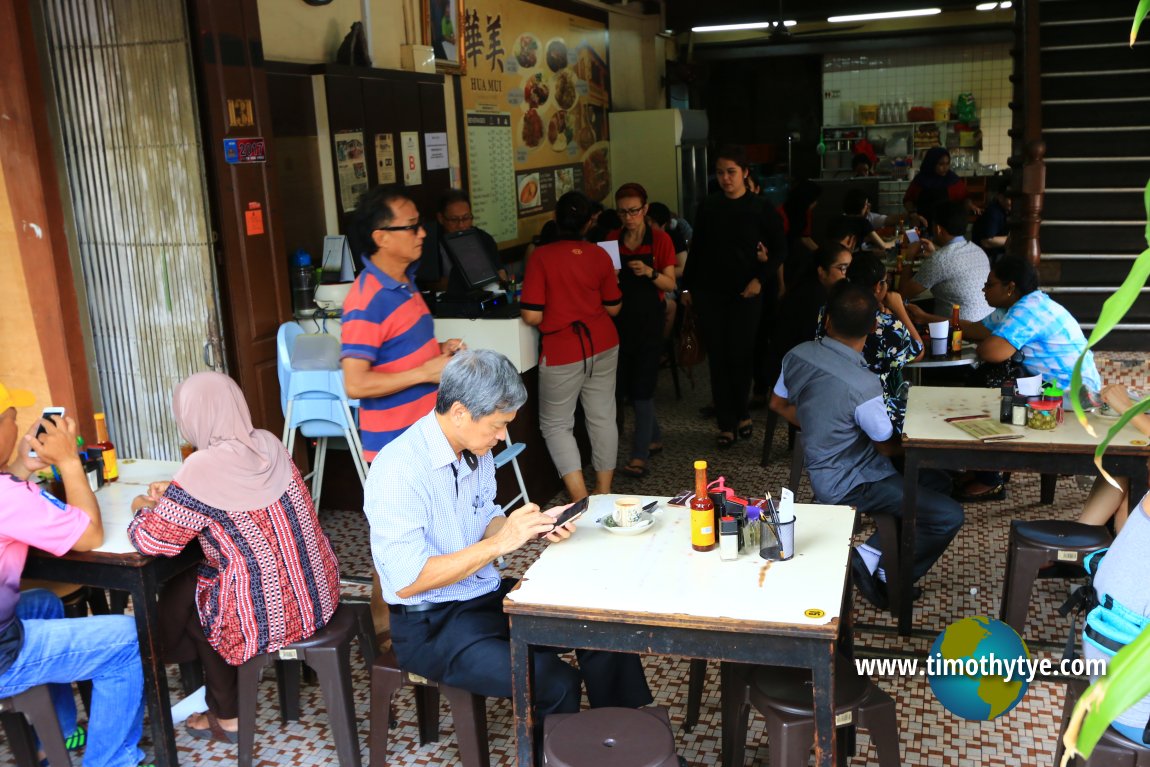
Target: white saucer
[[645, 523]]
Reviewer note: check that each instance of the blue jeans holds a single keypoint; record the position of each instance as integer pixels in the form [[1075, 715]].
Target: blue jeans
[[938, 517], [104, 649]]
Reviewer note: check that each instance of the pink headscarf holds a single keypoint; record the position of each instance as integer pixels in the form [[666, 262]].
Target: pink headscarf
[[235, 467]]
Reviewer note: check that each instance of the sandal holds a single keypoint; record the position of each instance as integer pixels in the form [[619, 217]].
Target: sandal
[[746, 429], [724, 440], [996, 493], [634, 470], [654, 449], [215, 731]]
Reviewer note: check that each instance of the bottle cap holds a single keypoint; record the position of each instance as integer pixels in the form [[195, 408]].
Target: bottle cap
[[700, 464], [302, 258], [98, 416], [754, 512]]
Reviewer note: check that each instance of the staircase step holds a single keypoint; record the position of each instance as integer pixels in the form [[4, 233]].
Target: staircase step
[[1123, 340], [1097, 142], [1085, 32], [1101, 206], [1067, 272], [1086, 306], [1099, 172], [1056, 236], [1118, 56], [1072, 10], [1131, 111], [1101, 85]]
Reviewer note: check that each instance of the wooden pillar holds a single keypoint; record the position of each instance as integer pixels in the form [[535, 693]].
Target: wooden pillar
[[1028, 207]]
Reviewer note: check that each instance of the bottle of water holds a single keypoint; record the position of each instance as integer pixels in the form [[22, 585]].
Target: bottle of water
[[302, 283]]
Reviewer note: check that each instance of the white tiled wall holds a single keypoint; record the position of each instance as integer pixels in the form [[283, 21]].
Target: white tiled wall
[[924, 76]]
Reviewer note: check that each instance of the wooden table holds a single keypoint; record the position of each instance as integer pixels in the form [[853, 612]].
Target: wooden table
[[653, 594], [930, 442], [116, 565]]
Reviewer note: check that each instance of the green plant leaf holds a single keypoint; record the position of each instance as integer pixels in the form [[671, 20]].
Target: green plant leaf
[[1139, 408], [1139, 15], [1114, 310], [1127, 681]]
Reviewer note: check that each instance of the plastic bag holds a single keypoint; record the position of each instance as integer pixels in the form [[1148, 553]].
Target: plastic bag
[[967, 111]]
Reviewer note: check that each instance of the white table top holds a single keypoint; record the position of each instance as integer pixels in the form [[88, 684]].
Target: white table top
[[928, 407], [658, 575], [115, 499], [968, 356]]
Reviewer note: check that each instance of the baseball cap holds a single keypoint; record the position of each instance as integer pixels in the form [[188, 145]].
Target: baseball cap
[[14, 398]]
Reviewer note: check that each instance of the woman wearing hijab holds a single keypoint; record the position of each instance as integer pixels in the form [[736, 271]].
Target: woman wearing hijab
[[934, 183], [269, 575]]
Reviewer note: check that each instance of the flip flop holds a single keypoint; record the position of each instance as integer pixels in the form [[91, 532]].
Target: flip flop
[[215, 732], [633, 471], [655, 449]]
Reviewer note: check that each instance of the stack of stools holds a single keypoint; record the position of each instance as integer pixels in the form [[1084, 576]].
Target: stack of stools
[[785, 698], [610, 737], [1034, 545], [328, 653], [1114, 750], [467, 709], [35, 703]]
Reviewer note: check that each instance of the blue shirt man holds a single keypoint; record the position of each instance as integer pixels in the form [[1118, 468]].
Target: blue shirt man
[[436, 532]]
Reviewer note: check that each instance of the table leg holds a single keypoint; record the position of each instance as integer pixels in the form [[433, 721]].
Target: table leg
[[1047, 483], [823, 681], [904, 609], [146, 608], [522, 697]]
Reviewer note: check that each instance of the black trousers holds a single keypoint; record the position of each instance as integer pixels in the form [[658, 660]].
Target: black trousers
[[467, 645], [183, 641], [729, 324]]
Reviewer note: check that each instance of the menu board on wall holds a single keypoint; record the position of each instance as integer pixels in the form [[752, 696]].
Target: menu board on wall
[[545, 73]]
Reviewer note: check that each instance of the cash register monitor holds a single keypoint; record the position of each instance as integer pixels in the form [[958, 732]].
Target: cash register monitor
[[471, 266]]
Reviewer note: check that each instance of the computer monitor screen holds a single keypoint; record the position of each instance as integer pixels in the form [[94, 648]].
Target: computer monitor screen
[[470, 259]]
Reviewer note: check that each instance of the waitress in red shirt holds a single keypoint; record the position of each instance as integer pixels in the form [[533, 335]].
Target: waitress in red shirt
[[648, 258], [571, 292]]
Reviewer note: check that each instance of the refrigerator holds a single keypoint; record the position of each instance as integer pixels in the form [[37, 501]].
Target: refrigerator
[[665, 150]]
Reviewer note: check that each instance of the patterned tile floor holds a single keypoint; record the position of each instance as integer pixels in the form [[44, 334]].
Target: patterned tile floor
[[967, 581]]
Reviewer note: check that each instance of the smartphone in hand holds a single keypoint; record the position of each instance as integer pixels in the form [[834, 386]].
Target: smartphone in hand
[[53, 414], [572, 512]]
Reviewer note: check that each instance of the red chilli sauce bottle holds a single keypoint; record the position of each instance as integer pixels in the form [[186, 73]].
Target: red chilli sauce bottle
[[702, 512]]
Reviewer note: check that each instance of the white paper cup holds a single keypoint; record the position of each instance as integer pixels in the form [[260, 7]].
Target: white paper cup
[[627, 511], [1030, 386]]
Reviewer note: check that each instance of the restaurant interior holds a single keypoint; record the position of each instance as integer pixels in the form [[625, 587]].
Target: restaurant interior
[[177, 179]]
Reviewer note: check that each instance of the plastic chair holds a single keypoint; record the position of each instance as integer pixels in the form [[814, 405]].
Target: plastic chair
[[316, 405], [35, 703], [510, 455], [610, 737], [1114, 750]]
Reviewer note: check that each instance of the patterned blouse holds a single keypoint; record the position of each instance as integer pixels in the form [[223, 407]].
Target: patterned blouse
[[269, 576], [887, 350]]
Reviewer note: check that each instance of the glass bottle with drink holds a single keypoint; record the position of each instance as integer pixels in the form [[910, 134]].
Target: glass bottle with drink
[[108, 449], [955, 332], [702, 512]]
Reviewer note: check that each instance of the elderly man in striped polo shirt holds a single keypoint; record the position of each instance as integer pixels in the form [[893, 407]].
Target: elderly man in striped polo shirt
[[390, 358]]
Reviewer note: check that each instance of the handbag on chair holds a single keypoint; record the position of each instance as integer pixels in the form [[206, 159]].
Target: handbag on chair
[[690, 351]]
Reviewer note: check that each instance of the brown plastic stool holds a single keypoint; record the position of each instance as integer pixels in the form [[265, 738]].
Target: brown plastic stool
[[35, 704], [328, 653], [1034, 545], [610, 737], [1114, 750], [467, 709], [785, 699]]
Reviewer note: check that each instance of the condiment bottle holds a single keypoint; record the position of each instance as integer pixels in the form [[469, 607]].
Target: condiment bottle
[[897, 273], [702, 512], [728, 538], [104, 443], [751, 529], [955, 331], [1018, 411]]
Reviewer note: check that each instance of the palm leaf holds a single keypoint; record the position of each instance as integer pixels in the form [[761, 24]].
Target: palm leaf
[[1138, 409], [1139, 15], [1127, 681]]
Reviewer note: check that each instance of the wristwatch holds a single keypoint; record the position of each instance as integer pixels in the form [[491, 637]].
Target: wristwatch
[[654, 275]]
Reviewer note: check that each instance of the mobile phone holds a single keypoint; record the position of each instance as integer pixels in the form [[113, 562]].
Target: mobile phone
[[49, 414], [572, 512]]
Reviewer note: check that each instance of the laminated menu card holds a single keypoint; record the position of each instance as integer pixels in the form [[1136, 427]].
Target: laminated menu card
[[984, 427]]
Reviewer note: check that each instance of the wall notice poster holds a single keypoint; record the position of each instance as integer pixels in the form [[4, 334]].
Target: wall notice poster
[[385, 158], [545, 73], [412, 164], [351, 166], [436, 147]]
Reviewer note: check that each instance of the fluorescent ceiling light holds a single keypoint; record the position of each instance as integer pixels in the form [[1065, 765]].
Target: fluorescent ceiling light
[[1005, 5], [885, 15], [746, 25], [986, 6]]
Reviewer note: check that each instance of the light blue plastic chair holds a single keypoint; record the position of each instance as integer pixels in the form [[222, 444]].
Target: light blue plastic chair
[[510, 455], [316, 405]]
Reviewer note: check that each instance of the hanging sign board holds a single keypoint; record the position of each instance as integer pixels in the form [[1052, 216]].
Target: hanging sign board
[[238, 151]]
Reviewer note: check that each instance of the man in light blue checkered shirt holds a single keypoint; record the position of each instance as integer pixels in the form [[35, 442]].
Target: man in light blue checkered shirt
[[436, 532]]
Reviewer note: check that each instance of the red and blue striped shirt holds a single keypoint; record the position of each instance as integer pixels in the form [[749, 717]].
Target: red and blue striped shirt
[[387, 323]]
